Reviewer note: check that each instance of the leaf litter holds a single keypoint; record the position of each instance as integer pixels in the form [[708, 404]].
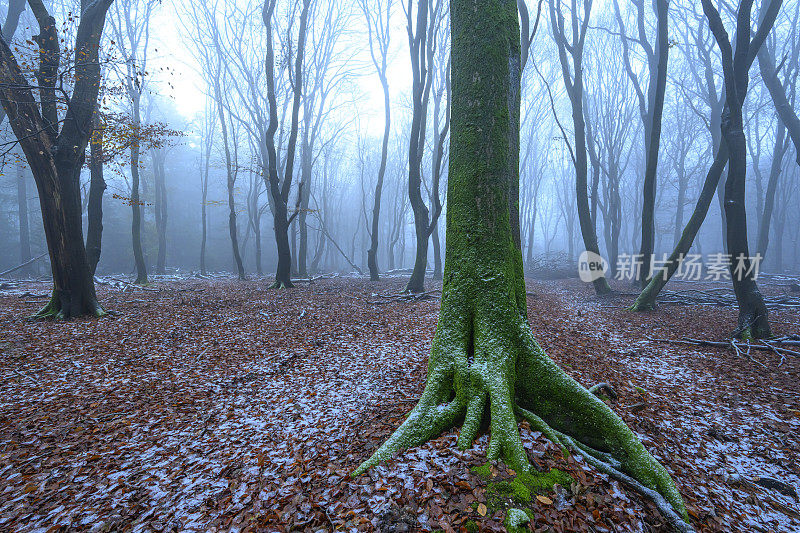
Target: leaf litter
[[211, 405]]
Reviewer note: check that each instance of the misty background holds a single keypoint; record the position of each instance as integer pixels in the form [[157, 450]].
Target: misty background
[[198, 65]]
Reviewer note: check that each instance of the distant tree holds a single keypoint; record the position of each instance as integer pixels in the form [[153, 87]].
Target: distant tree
[[206, 144], [736, 73], [280, 189], [570, 54], [651, 109], [158, 158], [780, 91], [131, 30], [378, 14], [422, 35], [55, 147], [485, 367], [15, 9]]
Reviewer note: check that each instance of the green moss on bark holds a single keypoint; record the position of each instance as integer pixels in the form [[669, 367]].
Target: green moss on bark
[[485, 368], [523, 487]]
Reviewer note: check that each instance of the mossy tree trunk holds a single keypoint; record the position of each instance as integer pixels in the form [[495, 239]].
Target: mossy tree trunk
[[485, 366]]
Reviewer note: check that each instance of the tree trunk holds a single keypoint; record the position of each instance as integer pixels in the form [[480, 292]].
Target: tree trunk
[[683, 184], [772, 187], [257, 231], [656, 92], [575, 91], [136, 203], [437, 254], [204, 220], [302, 252], [753, 314], [24, 222], [97, 186], [372, 253], [284, 270], [416, 283], [485, 368], [160, 209], [280, 191], [646, 300], [56, 157]]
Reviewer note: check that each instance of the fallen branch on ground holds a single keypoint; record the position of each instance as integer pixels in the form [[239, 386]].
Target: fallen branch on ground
[[23, 265], [764, 345]]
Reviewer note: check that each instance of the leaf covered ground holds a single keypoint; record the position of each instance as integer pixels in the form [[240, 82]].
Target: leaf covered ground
[[223, 405]]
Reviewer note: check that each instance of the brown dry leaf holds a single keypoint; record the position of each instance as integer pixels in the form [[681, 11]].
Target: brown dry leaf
[[482, 509], [544, 499]]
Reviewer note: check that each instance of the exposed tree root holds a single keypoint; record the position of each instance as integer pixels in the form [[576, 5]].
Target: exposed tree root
[[490, 372], [60, 309], [677, 521], [281, 285], [605, 389]]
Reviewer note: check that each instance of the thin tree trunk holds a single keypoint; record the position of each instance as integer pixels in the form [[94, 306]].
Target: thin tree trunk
[[372, 253], [136, 203], [24, 223], [97, 186], [772, 187], [656, 92], [160, 210]]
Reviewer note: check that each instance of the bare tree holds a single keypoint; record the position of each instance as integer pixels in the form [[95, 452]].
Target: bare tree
[[130, 24], [651, 109], [422, 38], [324, 73], [206, 144], [753, 313], [572, 72], [280, 190], [55, 147], [780, 91], [378, 14], [736, 73], [158, 158]]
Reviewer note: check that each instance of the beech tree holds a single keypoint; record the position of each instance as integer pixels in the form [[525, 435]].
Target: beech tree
[[780, 91], [131, 30], [753, 313], [422, 38], [735, 72], [485, 367], [97, 186], [651, 108], [379, 31], [55, 146], [570, 54], [280, 189]]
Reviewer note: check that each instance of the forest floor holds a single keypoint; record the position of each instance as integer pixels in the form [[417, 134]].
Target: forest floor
[[222, 405]]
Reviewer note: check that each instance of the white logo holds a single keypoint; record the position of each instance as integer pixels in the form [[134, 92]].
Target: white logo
[[591, 267]]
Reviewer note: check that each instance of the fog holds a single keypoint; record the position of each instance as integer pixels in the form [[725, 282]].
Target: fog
[[175, 72]]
